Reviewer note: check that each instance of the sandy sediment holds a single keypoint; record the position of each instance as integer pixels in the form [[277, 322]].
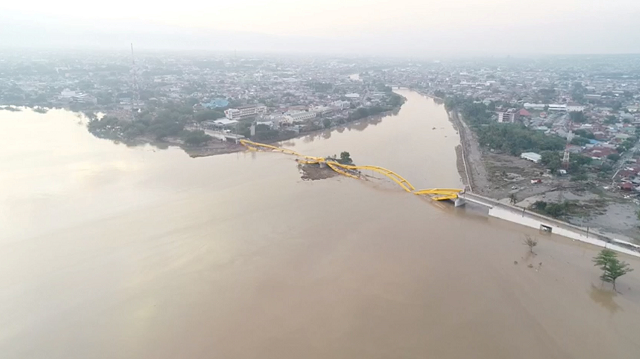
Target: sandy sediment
[[470, 163], [314, 172]]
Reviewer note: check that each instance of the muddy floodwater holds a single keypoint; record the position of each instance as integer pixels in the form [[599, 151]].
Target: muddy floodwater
[[108, 251]]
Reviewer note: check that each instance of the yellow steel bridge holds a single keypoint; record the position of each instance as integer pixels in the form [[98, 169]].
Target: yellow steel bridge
[[438, 194]]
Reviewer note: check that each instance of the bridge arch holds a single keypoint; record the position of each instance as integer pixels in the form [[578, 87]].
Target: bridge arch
[[438, 194]]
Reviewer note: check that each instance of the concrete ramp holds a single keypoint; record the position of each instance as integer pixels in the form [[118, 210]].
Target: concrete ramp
[[469, 197]]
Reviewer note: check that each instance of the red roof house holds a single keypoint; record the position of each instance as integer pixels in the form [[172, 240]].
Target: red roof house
[[524, 113]]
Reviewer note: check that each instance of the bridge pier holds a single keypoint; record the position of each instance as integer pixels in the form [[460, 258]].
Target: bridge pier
[[459, 202]]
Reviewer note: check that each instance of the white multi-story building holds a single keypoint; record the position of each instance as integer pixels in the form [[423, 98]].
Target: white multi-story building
[[531, 156], [557, 107], [243, 112], [575, 108], [299, 116], [535, 106], [509, 116], [549, 106], [321, 110]]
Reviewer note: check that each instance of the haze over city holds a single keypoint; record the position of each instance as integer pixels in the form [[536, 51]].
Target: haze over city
[[341, 179], [357, 27]]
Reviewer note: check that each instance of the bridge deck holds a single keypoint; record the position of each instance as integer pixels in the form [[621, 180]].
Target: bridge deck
[[438, 194]]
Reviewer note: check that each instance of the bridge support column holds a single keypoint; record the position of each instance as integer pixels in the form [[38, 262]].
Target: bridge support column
[[459, 202]]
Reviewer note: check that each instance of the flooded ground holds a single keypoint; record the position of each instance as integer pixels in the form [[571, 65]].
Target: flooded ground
[[115, 252]]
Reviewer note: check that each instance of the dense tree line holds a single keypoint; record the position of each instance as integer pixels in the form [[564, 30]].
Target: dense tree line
[[584, 133], [167, 123], [208, 115], [511, 138], [516, 138], [474, 113], [363, 112], [577, 116]]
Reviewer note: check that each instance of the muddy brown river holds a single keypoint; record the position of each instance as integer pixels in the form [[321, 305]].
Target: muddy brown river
[[108, 251]]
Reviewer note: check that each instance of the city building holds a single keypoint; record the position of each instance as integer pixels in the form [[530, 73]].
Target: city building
[[244, 112], [508, 116], [545, 106], [535, 106], [575, 108], [299, 116], [531, 156], [321, 110], [524, 113], [557, 107], [224, 122]]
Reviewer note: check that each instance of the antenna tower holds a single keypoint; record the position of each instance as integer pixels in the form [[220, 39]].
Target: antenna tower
[[135, 89], [565, 157]]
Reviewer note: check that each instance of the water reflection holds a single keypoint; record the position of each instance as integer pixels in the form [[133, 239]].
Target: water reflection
[[359, 126], [604, 297]]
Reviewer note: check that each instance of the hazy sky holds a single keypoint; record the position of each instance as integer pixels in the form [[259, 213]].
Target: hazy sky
[[398, 27]]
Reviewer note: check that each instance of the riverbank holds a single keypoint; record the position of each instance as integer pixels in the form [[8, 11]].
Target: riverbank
[[473, 166], [475, 176], [218, 147]]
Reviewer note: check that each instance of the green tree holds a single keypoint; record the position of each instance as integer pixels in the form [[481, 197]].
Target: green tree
[[515, 138], [578, 117], [540, 205], [578, 161], [555, 210], [616, 106], [513, 199], [195, 138], [577, 92], [606, 168], [612, 267], [580, 177], [585, 134], [208, 115], [613, 157], [326, 123], [345, 158], [551, 160], [579, 141]]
